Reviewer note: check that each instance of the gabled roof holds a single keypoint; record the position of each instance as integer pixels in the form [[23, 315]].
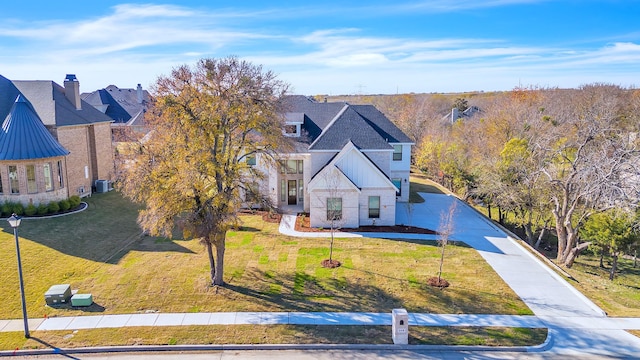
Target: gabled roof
[[330, 125], [24, 136], [350, 162], [52, 106], [124, 106]]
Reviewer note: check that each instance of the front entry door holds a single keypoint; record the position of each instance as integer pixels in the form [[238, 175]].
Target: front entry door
[[293, 193]]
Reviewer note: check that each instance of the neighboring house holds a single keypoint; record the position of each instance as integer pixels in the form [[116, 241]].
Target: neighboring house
[[456, 114], [32, 162], [350, 161], [127, 108], [76, 126]]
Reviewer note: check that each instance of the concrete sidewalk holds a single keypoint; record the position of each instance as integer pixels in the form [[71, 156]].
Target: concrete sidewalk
[[276, 318]]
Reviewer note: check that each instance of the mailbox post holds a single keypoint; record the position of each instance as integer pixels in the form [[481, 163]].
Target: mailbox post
[[400, 326]]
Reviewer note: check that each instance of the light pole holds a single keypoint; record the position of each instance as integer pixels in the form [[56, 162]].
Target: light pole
[[14, 221]]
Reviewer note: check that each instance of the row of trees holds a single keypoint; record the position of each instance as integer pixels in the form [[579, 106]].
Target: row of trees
[[549, 156]]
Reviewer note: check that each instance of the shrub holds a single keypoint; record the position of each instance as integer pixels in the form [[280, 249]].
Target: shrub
[[74, 201], [7, 208], [30, 210], [43, 209], [64, 205], [18, 209], [54, 207]]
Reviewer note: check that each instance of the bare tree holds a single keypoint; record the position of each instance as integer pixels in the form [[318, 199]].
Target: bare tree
[[445, 230]]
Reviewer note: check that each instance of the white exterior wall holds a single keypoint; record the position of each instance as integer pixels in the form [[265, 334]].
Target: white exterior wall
[[405, 163], [350, 208], [401, 169], [387, 207]]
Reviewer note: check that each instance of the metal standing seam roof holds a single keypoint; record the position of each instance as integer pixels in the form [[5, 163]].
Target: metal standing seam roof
[[24, 137]]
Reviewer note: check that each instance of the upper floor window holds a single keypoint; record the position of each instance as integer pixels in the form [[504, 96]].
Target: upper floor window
[[292, 130], [251, 160], [397, 152], [291, 166]]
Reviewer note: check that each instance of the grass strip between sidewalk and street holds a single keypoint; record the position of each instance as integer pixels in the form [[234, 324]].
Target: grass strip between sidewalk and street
[[273, 334]]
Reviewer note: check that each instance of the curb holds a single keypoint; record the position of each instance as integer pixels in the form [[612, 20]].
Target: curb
[[275, 347]]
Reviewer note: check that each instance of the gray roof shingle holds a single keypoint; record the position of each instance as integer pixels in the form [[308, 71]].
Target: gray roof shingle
[[330, 125]]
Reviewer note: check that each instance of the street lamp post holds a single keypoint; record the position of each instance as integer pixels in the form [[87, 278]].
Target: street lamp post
[[14, 221]]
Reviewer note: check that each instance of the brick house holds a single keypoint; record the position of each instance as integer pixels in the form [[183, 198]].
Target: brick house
[[78, 127]]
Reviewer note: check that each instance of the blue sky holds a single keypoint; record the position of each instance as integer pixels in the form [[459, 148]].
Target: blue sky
[[330, 47]]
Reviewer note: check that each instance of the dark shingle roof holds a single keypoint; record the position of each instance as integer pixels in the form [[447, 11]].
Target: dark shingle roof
[[121, 105], [53, 107], [24, 136], [330, 125]]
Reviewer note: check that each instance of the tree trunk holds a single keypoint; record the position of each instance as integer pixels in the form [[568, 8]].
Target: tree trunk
[[220, 247], [541, 236], [635, 258], [573, 254], [212, 262], [562, 240], [529, 233], [614, 266], [489, 210]]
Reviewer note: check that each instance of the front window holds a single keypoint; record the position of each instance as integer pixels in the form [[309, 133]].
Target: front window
[[290, 129], [14, 183], [398, 183], [397, 152], [32, 187], [60, 177], [374, 207], [48, 182], [334, 209]]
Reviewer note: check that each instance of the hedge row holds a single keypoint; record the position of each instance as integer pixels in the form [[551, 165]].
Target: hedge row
[[53, 207]]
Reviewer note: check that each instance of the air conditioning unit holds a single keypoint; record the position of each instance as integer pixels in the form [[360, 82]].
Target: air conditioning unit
[[102, 186]]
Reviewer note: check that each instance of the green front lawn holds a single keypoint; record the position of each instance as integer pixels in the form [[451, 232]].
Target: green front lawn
[[102, 251]]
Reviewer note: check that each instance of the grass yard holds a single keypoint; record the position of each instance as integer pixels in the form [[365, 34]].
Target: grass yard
[[102, 251], [620, 297], [420, 183]]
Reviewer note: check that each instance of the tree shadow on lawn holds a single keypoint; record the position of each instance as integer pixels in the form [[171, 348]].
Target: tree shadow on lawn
[[301, 292], [97, 246], [307, 293]]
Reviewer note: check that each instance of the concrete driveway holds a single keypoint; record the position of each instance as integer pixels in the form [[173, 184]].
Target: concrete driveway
[[577, 325]]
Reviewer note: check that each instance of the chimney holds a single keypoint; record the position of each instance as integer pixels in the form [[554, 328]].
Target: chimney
[[139, 93], [72, 90]]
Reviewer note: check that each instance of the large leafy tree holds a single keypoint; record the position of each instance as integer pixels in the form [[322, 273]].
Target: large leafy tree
[[189, 170], [612, 232]]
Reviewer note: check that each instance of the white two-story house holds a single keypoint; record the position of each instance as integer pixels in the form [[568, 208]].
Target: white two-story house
[[349, 163]]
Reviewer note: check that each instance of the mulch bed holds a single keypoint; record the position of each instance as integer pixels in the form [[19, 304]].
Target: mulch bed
[[439, 283], [303, 225], [267, 216]]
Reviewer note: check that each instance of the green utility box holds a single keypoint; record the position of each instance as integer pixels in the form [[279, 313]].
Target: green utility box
[[81, 300], [58, 294]]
